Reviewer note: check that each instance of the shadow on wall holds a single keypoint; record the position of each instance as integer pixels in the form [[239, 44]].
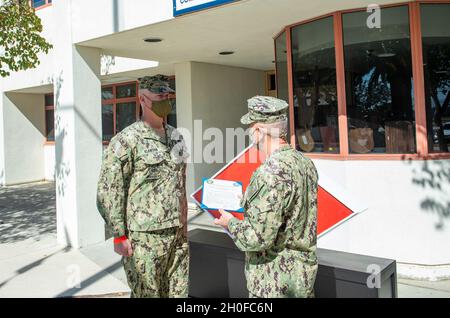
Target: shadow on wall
[[27, 211], [62, 166], [433, 176]]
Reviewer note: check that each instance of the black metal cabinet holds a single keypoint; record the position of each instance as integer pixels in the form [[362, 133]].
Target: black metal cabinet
[[217, 271]]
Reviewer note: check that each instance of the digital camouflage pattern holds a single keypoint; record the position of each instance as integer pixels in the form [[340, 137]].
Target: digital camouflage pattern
[[142, 180], [156, 84], [159, 265], [278, 233], [265, 109], [141, 191]]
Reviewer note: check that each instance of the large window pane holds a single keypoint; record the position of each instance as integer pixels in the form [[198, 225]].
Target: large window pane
[[172, 117], [436, 59], [50, 124], [49, 100], [107, 93], [107, 122], [282, 70], [38, 3], [126, 91], [126, 115], [379, 83], [315, 95]]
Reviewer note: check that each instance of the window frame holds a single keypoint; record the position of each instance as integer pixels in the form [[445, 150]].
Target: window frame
[[48, 107], [46, 5], [114, 101], [418, 76]]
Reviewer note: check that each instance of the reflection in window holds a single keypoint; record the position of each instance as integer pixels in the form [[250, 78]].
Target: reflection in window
[[107, 93], [40, 3], [315, 94], [50, 124], [172, 117], [49, 117], [436, 59], [379, 83], [107, 122], [126, 91], [282, 69], [126, 115]]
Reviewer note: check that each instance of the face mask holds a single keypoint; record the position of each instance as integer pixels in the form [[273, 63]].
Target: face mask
[[162, 108]]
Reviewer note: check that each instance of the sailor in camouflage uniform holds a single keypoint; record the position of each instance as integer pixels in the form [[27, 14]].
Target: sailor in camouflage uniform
[[278, 233], [141, 196]]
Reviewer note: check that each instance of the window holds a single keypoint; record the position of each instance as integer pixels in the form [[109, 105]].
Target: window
[[436, 60], [39, 3], [120, 108], [172, 117], [379, 83], [281, 66], [355, 88], [315, 94], [49, 118], [282, 85]]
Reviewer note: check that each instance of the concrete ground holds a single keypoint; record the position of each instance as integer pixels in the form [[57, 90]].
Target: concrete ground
[[34, 265]]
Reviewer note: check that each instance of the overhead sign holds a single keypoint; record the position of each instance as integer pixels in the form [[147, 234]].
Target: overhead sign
[[334, 203], [188, 6]]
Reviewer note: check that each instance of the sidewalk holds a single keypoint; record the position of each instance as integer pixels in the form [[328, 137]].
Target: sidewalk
[[33, 265], [31, 262], [41, 268]]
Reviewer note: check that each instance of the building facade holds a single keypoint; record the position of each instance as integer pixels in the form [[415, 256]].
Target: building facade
[[368, 88]]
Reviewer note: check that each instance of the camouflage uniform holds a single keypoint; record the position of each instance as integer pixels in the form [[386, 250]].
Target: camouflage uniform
[[278, 233], [141, 194]]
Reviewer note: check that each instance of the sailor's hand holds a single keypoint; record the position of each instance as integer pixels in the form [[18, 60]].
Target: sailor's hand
[[224, 219], [123, 248]]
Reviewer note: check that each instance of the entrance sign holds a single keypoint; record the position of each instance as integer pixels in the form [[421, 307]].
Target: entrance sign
[[188, 6], [334, 204]]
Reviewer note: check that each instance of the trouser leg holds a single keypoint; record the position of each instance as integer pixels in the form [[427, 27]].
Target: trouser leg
[[159, 264], [178, 268]]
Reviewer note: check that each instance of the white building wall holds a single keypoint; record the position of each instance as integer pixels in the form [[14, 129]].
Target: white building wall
[[49, 162], [2, 139], [94, 19], [43, 73], [407, 217], [216, 97], [24, 126]]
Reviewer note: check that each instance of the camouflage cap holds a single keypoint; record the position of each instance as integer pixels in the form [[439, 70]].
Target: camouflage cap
[[156, 84], [265, 109]]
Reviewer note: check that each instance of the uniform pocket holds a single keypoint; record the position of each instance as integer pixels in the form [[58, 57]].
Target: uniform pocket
[[154, 166]]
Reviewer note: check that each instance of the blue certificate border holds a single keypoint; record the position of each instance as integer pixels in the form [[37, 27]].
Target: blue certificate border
[[241, 210], [199, 7]]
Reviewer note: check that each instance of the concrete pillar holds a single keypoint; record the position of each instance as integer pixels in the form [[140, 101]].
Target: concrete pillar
[[78, 150]]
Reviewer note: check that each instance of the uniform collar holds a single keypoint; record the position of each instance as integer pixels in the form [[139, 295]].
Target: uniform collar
[[282, 148], [149, 133]]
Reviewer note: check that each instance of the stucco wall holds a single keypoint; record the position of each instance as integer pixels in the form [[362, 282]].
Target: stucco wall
[[24, 126], [216, 97]]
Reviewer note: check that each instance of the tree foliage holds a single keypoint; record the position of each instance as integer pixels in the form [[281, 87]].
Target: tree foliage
[[20, 39]]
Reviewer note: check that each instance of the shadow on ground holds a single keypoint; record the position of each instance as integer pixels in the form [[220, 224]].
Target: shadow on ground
[[27, 211]]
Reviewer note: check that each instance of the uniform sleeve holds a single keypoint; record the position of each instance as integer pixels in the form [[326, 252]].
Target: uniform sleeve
[[112, 188], [264, 216]]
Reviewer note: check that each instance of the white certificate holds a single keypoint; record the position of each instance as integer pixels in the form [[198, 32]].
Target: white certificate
[[222, 194]]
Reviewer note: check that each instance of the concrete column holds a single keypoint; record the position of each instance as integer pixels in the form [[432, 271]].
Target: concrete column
[[78, 127]]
